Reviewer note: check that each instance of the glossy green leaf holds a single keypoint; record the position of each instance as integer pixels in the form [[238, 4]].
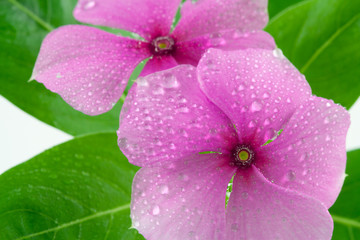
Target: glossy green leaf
[[322, 39], [276, 6], [23, 25], [346, 210], [78, 190]]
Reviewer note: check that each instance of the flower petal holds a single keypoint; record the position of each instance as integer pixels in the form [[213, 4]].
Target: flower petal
[[310, 156], [258, 209], [208, 16], [148, 18], [158, 63], [167, 117], [190, 51], [258, 89], [186, 201], [87, 67]]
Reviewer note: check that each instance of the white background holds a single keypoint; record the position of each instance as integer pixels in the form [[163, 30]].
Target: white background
[[22, 136]]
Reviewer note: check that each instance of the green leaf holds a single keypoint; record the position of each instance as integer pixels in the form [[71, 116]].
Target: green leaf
[[346, 210], [78, 190], [322, 39], [276, 6], [23, 25]]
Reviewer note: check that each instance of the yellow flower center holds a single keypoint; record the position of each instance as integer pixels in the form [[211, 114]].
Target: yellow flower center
[[244, 155]]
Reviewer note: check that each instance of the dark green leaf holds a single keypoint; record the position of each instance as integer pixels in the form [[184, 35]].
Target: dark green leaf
[[322, 39], [23, 25], [77, 190], [346, 210], [276, 6]]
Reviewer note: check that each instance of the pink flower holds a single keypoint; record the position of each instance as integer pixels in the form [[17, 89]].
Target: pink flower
[[90, 68], [281, 190]]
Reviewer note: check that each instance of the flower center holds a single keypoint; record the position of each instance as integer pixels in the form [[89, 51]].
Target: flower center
[[162, 45], [243, 156]]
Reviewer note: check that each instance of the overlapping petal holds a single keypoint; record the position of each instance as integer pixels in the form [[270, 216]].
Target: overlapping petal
[[309, 156], [184, 201], [158, 63], [209, 16], [258, 209], [88, 67], [258, 89], [190, 51], [148, 18], [167, 117]]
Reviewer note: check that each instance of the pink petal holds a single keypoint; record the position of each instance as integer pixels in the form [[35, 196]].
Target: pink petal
[[186, 201], [166, 117], [258, 89], [148, 18], [309, 156], [258, 209], [158, 63], [208, 16], [87, 67], [190, 51]]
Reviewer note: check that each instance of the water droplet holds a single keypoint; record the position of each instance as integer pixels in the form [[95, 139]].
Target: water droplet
[[266, 95], [89, 5], [327, 138], [267, 122], [278, 53], [291, 175], [241, 87], [158, 91], [136, 224], [256, 106], [164, 189], [156, 210], [169, 81], [234, 227], [326, 120], [142, 82], [251, 124], [244, 195]]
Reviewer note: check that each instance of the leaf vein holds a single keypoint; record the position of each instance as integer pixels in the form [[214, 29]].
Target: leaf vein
[[32, 15], [78, 221], [327, 43]]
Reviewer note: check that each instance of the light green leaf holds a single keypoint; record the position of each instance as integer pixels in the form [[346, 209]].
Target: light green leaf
[[23, 25], [322, 39], [78, 190], [346, 210]]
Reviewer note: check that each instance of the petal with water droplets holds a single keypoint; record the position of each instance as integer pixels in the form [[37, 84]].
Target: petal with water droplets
[[309, 156], [258, 209], [209, 16], [148, 18], [166, 117], [182, 201], [190, 51], [87, 67], [252, 87]]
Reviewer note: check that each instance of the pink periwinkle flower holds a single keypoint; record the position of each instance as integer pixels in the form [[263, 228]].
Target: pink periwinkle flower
[[90, 68], [227, 109]]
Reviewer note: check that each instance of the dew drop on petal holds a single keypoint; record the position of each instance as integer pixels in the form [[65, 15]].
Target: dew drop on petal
[[291, 175], [234, 227], [256, 106], [156, 210], [244, 195], [164, 189], [251, 124], [326, 120], [89, 5], [169, 81]]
